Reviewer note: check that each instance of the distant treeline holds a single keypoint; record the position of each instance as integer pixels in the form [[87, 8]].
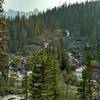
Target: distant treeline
[[82, 20]]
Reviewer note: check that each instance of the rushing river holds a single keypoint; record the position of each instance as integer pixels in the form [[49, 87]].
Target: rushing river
[[15, 97]]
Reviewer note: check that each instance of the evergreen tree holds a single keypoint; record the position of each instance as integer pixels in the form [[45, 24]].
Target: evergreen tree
[[98, 49], [85, 87], [3, 55], [37, 82], [82, 86], [44, 77]]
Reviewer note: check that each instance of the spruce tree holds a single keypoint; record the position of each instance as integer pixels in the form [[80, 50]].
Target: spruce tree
[[37, 77], [85, 86], [52, 72], [82, 86], [44, 77], [98, 49], [3, 55], [37, 82]]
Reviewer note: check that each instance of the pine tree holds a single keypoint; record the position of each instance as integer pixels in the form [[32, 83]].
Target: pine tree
[[51, 77], [3, 55], [37, 82], [44, 77], [89, 72], [82, 86], [85, 87], [98, 49]]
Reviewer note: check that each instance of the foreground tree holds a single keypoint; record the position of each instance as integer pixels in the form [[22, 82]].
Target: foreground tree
[[3, 55], [98, 49], [85, 87], [44, 77]]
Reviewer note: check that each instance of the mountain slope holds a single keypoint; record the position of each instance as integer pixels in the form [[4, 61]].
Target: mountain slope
[[13, 13]]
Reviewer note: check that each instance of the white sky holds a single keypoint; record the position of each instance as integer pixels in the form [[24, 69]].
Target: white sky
[[30, 5]]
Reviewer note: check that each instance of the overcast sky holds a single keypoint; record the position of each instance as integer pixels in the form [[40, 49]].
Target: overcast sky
[[30, 5]]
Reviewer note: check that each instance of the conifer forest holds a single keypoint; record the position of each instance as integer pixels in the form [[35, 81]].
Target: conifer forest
[[53, 54]]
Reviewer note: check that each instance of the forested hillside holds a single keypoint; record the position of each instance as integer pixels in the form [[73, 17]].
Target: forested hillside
[[81, 20]]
